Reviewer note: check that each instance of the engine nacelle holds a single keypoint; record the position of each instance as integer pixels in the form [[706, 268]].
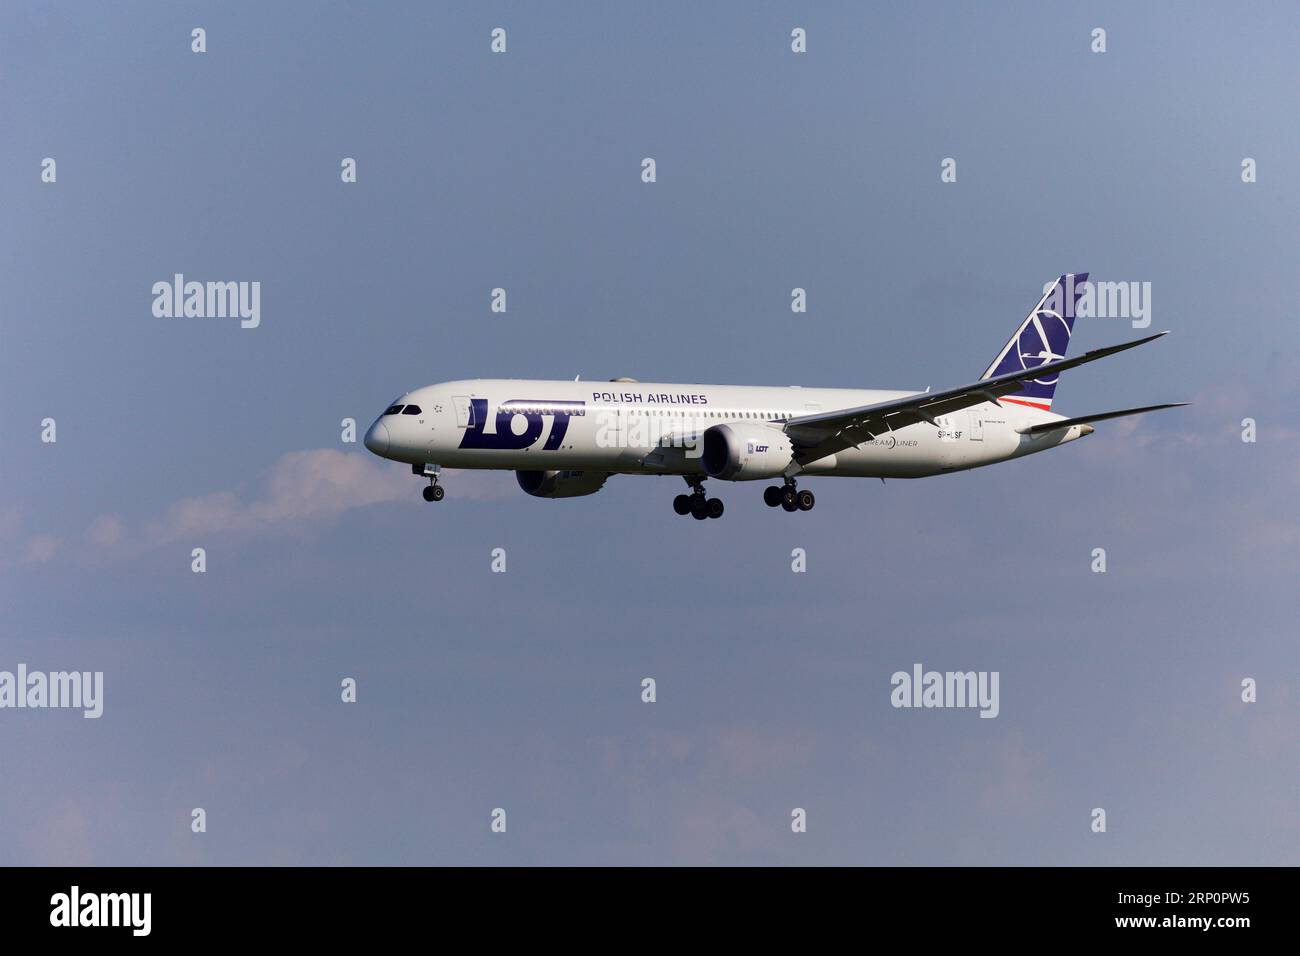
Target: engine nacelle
[[744, 452], [560, 484]]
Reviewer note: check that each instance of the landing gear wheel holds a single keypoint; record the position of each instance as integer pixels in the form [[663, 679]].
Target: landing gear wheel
[[789, 498], [805, 500], [682, 504], [715, 507], [789, 505], [438, 492], [699, 509], [429, 492], [772, 495]]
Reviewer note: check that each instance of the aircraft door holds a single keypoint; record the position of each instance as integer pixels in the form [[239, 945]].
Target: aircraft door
[[464, 411]]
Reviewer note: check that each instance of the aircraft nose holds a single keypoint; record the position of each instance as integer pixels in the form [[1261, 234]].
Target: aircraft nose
[[377, 438]]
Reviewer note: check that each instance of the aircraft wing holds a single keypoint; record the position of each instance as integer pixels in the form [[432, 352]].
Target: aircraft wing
[[824, 433]]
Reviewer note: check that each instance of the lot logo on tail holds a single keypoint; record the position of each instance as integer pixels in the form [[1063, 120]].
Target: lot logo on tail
[[1035, 344], [1043, 337]]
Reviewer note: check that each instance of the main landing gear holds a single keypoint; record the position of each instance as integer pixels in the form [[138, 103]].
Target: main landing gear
[[788, 497], [696, 504], [434, 491]]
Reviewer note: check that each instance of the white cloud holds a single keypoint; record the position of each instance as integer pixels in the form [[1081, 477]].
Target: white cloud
[[302, 486], [315, 485], [41, 548], [106, 531]]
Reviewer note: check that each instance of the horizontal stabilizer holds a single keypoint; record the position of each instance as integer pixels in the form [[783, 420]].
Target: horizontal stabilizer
[[1099, 417]]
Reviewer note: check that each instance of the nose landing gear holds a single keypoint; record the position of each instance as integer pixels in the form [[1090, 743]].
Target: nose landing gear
[[788, 497], [434, 491], [696, 504]]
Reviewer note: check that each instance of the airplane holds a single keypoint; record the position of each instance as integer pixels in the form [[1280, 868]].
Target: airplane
[[565, 439]]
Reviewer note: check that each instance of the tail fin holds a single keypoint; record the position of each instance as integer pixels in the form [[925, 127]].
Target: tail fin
[[1043, 337]]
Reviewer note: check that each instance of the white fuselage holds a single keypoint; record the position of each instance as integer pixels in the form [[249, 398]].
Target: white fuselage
[[653, 428]]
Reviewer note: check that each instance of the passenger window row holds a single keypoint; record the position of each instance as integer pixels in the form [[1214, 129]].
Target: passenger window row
[[712, 413]]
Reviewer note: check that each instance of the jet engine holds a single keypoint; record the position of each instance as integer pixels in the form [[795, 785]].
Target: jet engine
[[745, 452], [560, 484]]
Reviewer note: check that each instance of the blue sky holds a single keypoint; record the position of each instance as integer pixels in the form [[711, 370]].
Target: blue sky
[[522, 690]]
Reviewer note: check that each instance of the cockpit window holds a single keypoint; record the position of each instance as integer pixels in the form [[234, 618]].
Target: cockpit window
[[393, 410], [411, 410]]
